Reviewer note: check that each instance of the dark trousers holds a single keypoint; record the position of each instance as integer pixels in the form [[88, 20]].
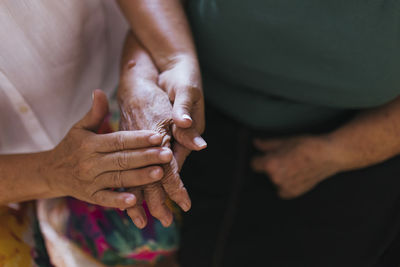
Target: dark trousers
[[351, 219]]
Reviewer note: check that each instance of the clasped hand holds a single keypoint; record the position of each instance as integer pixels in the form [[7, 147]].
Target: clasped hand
[[170, 103]]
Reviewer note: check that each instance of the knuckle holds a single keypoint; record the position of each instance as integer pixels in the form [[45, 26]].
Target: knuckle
[[154, 173], [82, 169], [163, 126], [76, 172], [86, 144], [173, 186], [91, 190], [157, 211], [151, 155], [122, 161], [180, 134], [118, 143], [99, 199], [116, 178]]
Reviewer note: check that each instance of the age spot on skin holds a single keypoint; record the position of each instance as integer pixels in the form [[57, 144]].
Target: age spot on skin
[[131, 64]]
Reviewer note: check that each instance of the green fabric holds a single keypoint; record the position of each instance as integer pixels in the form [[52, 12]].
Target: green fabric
[[283, 64]]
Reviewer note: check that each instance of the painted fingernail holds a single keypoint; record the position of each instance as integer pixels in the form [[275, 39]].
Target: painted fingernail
[[199, 141], [155, 139], [156, 173], [130, 200], [165, 154], [186, 117], [138, 222]]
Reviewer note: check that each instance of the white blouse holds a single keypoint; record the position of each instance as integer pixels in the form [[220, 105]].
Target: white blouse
[[53, 54]]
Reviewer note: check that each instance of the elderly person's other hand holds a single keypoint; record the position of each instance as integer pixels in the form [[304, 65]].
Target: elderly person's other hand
[[297, 164], [87, 166]]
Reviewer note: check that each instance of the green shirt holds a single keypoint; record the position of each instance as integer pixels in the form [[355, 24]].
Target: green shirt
[[284, 64]]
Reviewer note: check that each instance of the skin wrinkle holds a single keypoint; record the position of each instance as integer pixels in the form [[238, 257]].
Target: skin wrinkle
[[72, 169], [146, 105], [131, 119], [157, 115]]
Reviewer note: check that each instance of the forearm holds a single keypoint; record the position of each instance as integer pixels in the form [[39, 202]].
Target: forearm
[[137, 69], [22, 177], [370, 138], [162, 27], [136, 62], [143, 104]]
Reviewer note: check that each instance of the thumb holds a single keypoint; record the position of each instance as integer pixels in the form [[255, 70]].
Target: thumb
[[94, 118], [183, 104]]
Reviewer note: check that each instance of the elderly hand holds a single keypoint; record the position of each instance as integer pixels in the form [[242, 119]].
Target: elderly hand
[[151, 109], [86, 165], [297, 164]]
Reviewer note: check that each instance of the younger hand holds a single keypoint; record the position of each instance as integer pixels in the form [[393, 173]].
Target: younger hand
[[182, 81], [297, 164]]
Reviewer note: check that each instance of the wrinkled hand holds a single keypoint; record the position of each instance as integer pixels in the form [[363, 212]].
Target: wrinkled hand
[[181, 79], [87, 165], [296, 165], [151, 109]]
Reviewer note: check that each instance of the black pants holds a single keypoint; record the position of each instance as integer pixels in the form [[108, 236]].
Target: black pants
[[351, 219]]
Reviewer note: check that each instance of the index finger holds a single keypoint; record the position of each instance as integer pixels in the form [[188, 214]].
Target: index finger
[[124, 140]]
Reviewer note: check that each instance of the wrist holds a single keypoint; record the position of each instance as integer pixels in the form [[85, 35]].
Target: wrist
[[133, 93], [48, 174], [168, 61], [339, 154]]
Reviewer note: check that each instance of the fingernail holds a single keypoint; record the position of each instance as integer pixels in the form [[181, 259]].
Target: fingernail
[[155, 139], [165, 154], [186, 117], [155, 174], [165, 223], [199, 141], [138, 222], [130, 200], [92, 95], [185, 206]]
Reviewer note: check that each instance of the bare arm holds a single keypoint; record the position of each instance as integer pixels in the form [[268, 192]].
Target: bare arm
[[21, 178], [162, 27], [372, 137], [297, 164]]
